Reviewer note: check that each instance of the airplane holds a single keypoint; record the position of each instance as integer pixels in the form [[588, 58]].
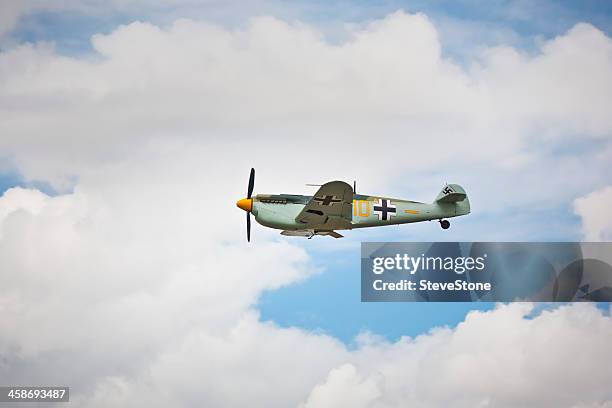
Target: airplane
[[336, 206]]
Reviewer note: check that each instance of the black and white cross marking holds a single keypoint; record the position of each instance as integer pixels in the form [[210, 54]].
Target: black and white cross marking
[[327, 200], [385, 210], [447, 190]]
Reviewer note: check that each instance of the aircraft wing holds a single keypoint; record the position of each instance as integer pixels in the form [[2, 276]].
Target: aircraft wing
[[330, 208]]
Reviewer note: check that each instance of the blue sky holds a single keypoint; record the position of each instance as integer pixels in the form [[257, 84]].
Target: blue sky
[[330, 301], [463, 24]]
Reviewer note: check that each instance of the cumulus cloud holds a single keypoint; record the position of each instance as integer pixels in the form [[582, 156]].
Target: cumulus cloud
[[134, 286], [275, 83], [143, 299], [119, 271], [498, 358], [10, 11], [344, 386], [594, 209]]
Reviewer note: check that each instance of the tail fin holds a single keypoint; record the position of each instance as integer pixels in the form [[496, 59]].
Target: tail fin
[[451, 193], [455, 194]]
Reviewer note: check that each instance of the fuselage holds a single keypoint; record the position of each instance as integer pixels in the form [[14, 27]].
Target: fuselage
[[279, 211]]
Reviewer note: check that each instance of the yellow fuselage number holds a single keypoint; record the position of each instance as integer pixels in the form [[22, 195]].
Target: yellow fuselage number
[[361, 208]]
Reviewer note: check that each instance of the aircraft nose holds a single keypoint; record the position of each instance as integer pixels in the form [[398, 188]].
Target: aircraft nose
[[245, 204]]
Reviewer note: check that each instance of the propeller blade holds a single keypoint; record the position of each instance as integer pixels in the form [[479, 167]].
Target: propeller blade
[[251, 183], [248, 226]]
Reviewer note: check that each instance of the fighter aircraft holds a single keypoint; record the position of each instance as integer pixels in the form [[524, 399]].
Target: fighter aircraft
[[336, 206]]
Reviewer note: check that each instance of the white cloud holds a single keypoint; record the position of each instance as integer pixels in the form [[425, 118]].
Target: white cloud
[[594, 209], [498, 358], [10, 11], [143, 298], [120, 272], [15, 199], [275, 84], [560, 90], [344, 387]]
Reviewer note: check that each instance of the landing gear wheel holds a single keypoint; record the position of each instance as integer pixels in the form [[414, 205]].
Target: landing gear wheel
[[445, 224]]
